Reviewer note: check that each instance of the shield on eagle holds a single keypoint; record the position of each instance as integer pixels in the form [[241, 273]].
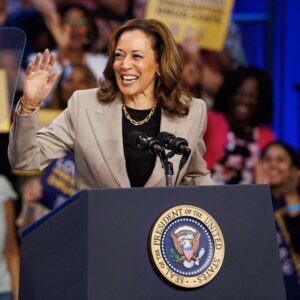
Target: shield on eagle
[[186, 241]]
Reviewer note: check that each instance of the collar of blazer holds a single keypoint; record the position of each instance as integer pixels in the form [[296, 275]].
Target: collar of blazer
[[106, 123]]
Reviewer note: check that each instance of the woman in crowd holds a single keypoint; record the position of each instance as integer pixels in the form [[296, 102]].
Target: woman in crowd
[[192, 73], [280, 167], [74, 77], [9, 249], [74, 31], [141, 92], [239, 126]]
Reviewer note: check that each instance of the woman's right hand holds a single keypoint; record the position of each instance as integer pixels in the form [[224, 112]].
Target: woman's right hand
[[261, 176], [60, 32], [39, 79]]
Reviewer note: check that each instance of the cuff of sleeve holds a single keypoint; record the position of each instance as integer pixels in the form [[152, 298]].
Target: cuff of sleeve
[[294, 207], [19, 109]]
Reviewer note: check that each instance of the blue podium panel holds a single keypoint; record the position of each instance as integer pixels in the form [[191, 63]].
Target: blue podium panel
[[97, 246]]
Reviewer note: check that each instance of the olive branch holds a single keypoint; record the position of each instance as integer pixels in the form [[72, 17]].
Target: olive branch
[[174, 255]]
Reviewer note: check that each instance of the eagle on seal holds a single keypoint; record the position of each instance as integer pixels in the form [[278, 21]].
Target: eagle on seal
[[186, 240]]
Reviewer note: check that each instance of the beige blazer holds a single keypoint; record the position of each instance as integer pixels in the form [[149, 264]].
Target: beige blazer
[[94, 132]]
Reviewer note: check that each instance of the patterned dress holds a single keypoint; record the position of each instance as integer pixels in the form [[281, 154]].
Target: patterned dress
[[239, 159]]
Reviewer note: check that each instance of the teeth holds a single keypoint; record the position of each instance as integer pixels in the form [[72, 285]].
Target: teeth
[[129, 77]]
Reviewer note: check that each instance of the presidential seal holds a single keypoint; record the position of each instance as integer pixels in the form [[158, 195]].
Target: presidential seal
[[187, 246]]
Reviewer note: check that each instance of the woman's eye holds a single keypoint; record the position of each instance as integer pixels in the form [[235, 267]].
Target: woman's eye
[[137, 56]]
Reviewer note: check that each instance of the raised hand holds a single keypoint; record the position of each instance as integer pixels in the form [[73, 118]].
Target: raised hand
[[61, 33], [261, 176], [39, 79], [291, 193]]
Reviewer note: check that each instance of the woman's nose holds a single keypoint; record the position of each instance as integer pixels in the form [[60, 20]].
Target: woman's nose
[[273, 163], [126, 63]]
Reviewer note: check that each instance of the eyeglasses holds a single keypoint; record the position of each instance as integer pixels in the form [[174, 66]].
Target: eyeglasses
[[77, 22]]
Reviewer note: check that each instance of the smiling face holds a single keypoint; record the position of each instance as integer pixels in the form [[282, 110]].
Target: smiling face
[[277, 164], [135, 66], [78, 25], [245, 101]]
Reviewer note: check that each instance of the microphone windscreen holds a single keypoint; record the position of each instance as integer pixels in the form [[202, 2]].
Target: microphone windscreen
[[133, 138], [163, 137]]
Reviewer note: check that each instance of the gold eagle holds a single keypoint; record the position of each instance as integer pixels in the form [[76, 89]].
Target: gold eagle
[[179, 246]]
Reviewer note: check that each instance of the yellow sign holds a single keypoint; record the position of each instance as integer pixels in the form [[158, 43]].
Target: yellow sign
[[46, 116], [187, 246], [204, 21], [4, 107]]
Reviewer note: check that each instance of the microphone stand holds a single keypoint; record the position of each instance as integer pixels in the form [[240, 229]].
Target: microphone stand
[[168, 167]]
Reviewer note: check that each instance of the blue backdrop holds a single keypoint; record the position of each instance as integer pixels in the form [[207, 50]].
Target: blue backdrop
[[270, 37]]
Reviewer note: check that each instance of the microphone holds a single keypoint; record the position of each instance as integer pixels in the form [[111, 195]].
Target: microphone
[[142, 142], [171, 142], [177, 145]]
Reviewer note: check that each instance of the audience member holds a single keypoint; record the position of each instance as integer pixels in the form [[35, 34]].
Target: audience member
[[239, 126], [106, 27], [279, 166], [9, 249], [138, 8], [119, 8], [204, 70], [31, 21], [192, 73], [74, 77], [3, 12], [216, 65], [74, 31]]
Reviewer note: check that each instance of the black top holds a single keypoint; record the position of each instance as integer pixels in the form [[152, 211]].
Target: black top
[[139, 164], [287, 230]]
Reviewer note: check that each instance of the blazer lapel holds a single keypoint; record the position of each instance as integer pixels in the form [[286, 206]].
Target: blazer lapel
[[179, 127], [106, 123]]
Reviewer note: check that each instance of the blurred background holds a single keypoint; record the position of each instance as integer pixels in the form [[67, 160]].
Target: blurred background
[[270, 31]]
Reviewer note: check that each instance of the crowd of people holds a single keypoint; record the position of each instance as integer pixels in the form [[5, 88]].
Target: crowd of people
[[241, 147]]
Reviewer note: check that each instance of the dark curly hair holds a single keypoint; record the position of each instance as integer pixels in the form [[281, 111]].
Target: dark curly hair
[[167, 86], [233, 81]]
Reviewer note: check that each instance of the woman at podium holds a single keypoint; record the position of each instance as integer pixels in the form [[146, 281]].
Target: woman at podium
[[141, 92]]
